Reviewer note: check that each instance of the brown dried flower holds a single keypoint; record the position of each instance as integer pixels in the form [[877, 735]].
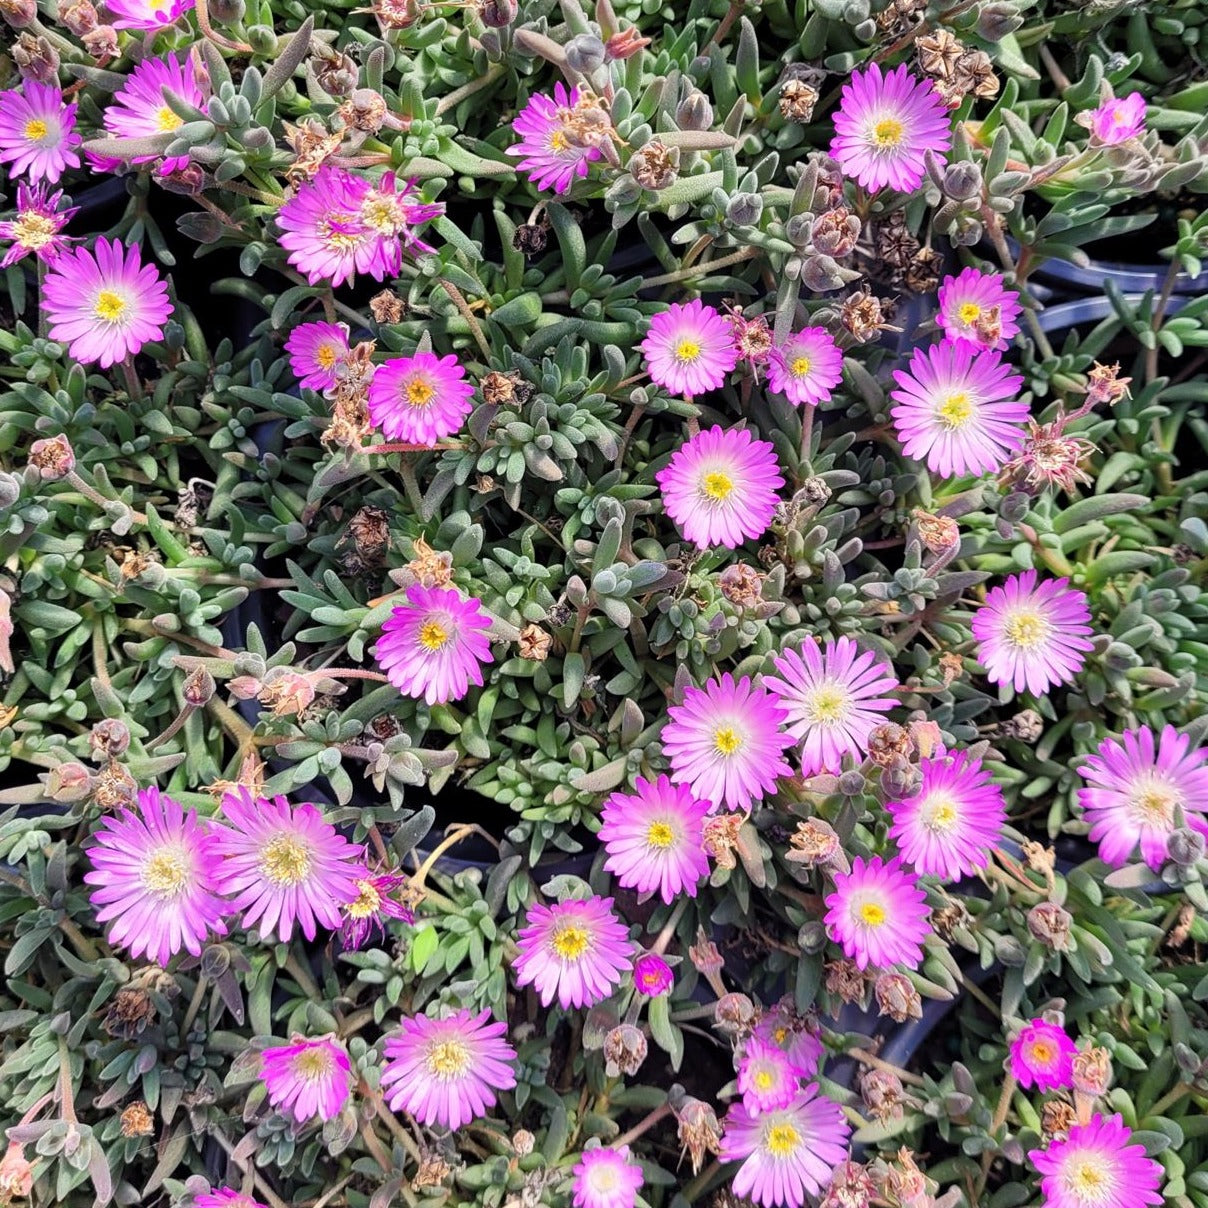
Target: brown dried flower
[[364, 110], [844, 980], [129, 1013], [369, 535], [387, 307], [1093, 1072], [797, 100], [923, 275], [654, 166], [699, 1130], [433, 1170], [1105, 385], [431, 568], [883, 1095], [721, 837], [862, 315], [312, 144], [1050, 924], [137, 1121], [939, 52], [741, 585], [1057, 1117], [897, 997], [535, 643], [888, 743], [52, 457], [813, 843], [624, 1050]]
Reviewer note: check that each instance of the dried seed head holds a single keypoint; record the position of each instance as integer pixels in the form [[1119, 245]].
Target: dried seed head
[[721, 838], [897, 997], [1093, 1072], [431, 568], [433, 1170], [851, 1187], [129, 1013], [844, 980], [974, 73], [387, 307], [1026, 726], [535, 643], [939, 53], [923, 275], [312, 144], [36, 58], [938, 533], [813, 843], [52, 457], [797, 100], [888, 743], [1057, 1118], [531, 238], [883, 1095], [336, 73], [734, 1015], [114, 787], [862, 315], [624, 1051], [949, 917], [498, 388], [523, 1142], [741, 584], [895, 245], [1050, 925], [364, 110], [109, 739], [368, 534], [699, 1130], [951, 667], [136, 1121]]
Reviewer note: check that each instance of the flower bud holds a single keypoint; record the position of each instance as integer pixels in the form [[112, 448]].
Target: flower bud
[[523, 1142], [883, 1095], [68, 782], [497, 14], [1185, 846], [199, 687], [1050, 924], [585, 53], [36, 59], [263, 40], [694, 112], [1093, 1072], [53, 458], [109, 738], [227, 12], [652, 976], [19, 13], [624, 1050], [734, 1014], [744, 209], [625, 44], [897, 997], [962, 180], [10, 489], [996, 21], [852, 784], [812, 937]]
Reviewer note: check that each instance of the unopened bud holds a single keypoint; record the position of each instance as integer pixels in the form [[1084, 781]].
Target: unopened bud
[[1050, 924], [109, 738], [68, 782], [52, 457], [227, 12], [199, 687], [744, 209], [694, 112], [263, 40], [962, 180], [497, 14], [10, 489], [897, 997], [585, 53], [1185, 846], [624, 1050], [996, 21]]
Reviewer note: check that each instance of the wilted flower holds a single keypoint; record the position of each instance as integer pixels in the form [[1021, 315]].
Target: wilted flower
[[689, 348], [753, 338], [878, 914], [136, 1120], [37, 132], [312, 144], [897, 997], [16, 1174], [606, 1178], [938, 533], [624, 1050], [36, 226], [1105, 385], [1050, 924], [1042, 1055], [1096, 1166], [883, 1095], [534, 643], [372, 906], [741, 584], [307, 1078], [698, 1129], [862, 315], [721, 837], [797, 100], [814, 842], [845, 980], [1057, 1117], [1048, 458], [654, 165], [851, 1187]]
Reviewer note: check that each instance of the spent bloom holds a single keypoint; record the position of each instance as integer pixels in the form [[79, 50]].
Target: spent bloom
[[1117, 120], [606, 1178], [1097, 1167], [807, 366], [1042, 1056], [652, 976], [885, 124], [831, 698], [35, 227], [689, 348], [977, 308], [145, 14], [550, 153], [1032, 635], [948, 828], [955, 409], [654, 838], [140, 107], [435, 645], [285, 864], [420, 399], [368, 911], [307, 1078], [878, 914], [37, 132], [316, 352], [576, 951], [720, 487], [155, 877], [1134, 786], [447, 1071], [767, 1079], [725, 742]]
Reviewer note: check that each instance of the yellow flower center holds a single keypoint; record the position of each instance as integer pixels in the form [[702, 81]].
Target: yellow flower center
[[826, 705], [727, 740], [158, 6], [419, 392], [603, 1178], [969, 313], [326, 356], [166, 872], [763, 1080], [569, 941], [558, 141], [433, 636], [782, 1140], [380, 211], [448, 1059], [33, 231], [109, 306], [165, 119], [1026, 630], [1089, 1183], [313, 1064], [799, 367], [36, 129], [939, 814], [1154, 799], [686, 351], [872, 914], [660, 835], [955, 411], [888, 132], [341, 240], [286, 860], [717, 486], [780, 1034], [367, 902], [1041, 1052]]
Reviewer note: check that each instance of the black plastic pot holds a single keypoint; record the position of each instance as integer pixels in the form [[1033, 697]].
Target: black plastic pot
[[1065, 315], [1064, 276]]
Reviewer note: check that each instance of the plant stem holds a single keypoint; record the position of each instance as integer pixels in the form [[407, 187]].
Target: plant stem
[[870, 1059], [195, 1002], [1169, 1099], [456, 837], [466, 313], [643, 1125], [458, 95]]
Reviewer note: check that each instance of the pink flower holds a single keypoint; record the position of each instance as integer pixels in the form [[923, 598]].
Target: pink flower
[[831, 699], [955, 409], [1134, 787], [606, 1178], [316, 352], [156, 878], [655, 839], [285, 865], [1117, 120], [1033, 635], [447, 1071], [767, 1078], [1096, 1167], [807, 366], [225, 1197], [652, 976], [885, 125], [420, 399], [393, 216], [435, 645], [37, 132], [307, 1078], [36, 226], [787, 1154], [575, 951], [1042, 1056], [796, 1034], [689, 349], [725, 742], [878, 914], [324, 232], [977, 308], [140, 107], [720, 487], [948, 828], [551, 152], [146, 14], [368, 911]]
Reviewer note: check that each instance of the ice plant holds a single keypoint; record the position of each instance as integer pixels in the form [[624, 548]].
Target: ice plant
[[832, 699], [878, 914], [316, 351], [720, 487], [324, 233], [977, 308], [955, 409], [689, 348], [787, 1154], [1031, 634], [652, 976], [448, 1071], [549, 150], [367, 913], [606, 1178], [307, 1078], [155, 878], [37, 132], [806, 367], [35, 227], [654, 838], [1135, 785], [435, 645], [394, 215], [1118, 119], [146, 14], [767, 1078], [285, 865], [420, 399], [225, 1197], [725, 742], [885, 124], [1098, 1166], [1042, 1056], [575, 951], [795, 1034], [950, 825], [140, 107]]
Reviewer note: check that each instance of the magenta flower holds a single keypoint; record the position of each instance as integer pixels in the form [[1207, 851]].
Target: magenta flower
[[1032, 635], [885, 125], [977, 308], [787, 1154], [307, 1078], [725, 742], [689, 349], [831, 699], [105, 304], [146, 14], [37, 224], [316, 352], [225, 1197], [393, 217], [551, 152], [1117, 120], [878, 914], [767, 1078], [807, 366], [1096, 1167], [948, 828], [367, 913], [156, 878], [955, 409], [447, 1071], [37, 132], [652, 976], [720, 487], [140, 107], [655, 839], [324, 233], [285, 865], [796, 1034], [576, 951], [1134, 787], [1042, 1056], [435, 645], [606, 1178], [420, 399]]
